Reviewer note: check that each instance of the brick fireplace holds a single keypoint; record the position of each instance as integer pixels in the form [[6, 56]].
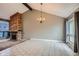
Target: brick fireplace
[[16, 26]]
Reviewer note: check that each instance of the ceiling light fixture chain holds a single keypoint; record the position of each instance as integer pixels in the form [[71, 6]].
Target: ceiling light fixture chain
[[41, 13]]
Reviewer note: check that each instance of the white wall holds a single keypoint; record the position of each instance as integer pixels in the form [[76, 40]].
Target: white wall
[[8, 9], [52, 28]]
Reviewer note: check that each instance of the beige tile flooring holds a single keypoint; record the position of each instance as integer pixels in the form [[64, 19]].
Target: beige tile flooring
[[38, 48]]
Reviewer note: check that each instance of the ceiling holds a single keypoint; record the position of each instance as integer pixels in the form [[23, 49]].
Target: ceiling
[[59, 9], [8, 9]]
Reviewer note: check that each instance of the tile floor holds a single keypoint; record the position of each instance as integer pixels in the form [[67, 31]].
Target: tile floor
[[38, 48]]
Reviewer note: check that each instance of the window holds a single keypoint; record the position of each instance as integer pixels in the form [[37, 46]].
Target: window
[[4, 29], [70, 31], [4, 26], [1, 34]]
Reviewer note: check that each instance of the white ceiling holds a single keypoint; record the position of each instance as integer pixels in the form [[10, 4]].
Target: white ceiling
[[8, 9], [59, 9]]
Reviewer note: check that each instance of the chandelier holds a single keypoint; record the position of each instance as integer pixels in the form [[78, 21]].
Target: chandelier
[[41, 19]]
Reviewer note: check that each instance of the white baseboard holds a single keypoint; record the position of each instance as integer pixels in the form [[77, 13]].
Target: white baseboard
[[47, 40]]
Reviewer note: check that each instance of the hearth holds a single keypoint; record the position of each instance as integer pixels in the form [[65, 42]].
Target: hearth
[[16, 35], [13, 35]]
